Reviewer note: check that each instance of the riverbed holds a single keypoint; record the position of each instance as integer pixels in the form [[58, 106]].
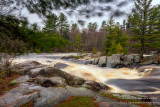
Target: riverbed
[[123, 80]]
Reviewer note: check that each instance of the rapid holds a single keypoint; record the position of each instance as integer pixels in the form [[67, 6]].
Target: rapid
[[123, 80]]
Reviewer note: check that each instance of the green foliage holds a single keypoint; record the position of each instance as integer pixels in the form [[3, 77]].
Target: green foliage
[[92, 26], [104, 24], [18, 36], [45, 42], [63, 26], [79, 101], [51, 23], [94, 51], [119, 49], [78, 43], [141, 24], [116, 40]]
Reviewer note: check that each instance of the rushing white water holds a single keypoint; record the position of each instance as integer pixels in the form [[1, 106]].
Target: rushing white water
[[88, 72]]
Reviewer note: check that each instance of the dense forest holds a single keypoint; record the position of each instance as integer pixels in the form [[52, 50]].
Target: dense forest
[[140, 33]]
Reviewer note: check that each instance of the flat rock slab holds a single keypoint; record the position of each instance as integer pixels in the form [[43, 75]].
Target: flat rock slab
[[18, 96]]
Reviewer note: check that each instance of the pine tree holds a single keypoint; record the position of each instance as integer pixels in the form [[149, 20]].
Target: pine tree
[[78, 43], [116, 40], [51, 23], [104, 24], [140, 22], [152, 39], [63, 26], [92, 26]]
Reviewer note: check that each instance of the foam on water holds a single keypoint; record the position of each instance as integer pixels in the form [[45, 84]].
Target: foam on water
[[88, 72]]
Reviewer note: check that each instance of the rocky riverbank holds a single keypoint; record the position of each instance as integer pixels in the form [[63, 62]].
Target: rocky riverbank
[[116, 60], [59, 79], [48, 86]]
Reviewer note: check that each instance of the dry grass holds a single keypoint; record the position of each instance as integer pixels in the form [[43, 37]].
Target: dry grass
[[5, 83]]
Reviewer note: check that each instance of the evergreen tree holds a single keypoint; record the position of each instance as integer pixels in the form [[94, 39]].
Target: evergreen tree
[[124, 24], [74, 26], [63, 26], [140, 22], [78, 43], [51, 24], [93, 26], [116, 40], [152, 39], [104, 24]]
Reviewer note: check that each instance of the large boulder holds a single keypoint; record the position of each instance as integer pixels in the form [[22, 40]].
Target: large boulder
[[137, 59], [50, 82], [131, 59], [102, 61], [25, 67], [54, 72], [60, 65], [95, 86], [95, 62], [119, 61], [151, 60], [114, 60]]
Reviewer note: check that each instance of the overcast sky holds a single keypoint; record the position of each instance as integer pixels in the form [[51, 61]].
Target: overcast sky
[[33, 18]]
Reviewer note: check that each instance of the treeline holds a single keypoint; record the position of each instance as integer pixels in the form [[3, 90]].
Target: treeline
[[18, 35], [140, 33]]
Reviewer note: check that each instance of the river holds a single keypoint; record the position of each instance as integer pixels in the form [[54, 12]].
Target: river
[[122, 80]]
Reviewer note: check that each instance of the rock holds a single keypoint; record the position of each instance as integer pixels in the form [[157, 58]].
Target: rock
[[104, 104], [95, 86], [96, 60], [18, 96], [60, 65], [137, 59], [88, 62], [102, 61], [27, 64], [68, 57], [25, 67], [50, 82], [151, 60], [54, 72], [153, 52], [20, 80], [119, 61], [49, 97], [114, 60], [35, 72], [59, 81], [129, 59]]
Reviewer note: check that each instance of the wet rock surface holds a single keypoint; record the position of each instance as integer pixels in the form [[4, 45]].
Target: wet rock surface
[[60, 65]]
